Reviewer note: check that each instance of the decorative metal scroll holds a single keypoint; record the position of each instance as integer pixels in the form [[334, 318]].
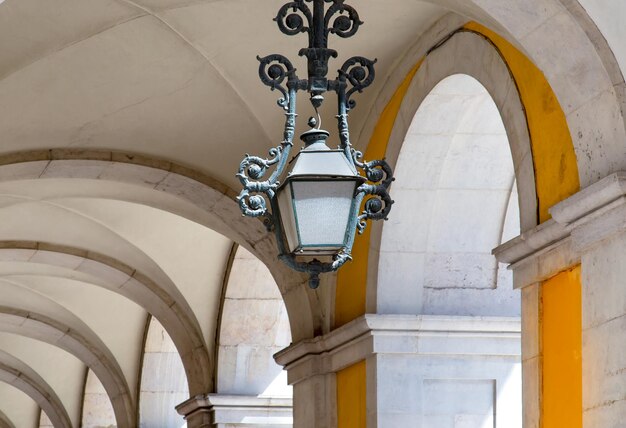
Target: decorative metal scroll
[[319, 19]]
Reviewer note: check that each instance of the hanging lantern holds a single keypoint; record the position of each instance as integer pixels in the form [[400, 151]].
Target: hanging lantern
[[314, 209], [317, 204]]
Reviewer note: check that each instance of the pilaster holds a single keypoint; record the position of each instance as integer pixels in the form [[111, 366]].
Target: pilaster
[[587, 229]]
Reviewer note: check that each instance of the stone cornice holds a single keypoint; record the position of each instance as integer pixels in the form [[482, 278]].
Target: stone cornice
[[232, 409], [531, 242], [592, 201], [400, 334], [582, 220]]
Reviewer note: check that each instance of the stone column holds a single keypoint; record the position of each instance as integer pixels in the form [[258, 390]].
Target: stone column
[[596, 217], [535, 256], [224, 411], [588, 228], [421, 370]]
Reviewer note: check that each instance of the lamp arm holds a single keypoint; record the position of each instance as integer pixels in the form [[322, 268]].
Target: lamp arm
[[252, 198], [342, 123]]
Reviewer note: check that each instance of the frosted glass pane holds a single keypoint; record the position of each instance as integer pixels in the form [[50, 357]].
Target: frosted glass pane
[[288, 218], [322, 211]]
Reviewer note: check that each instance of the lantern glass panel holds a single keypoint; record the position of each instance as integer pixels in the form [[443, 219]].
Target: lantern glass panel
[[321, 212]]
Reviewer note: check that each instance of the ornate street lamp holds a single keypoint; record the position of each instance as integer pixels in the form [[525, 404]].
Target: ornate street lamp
[[314, 209]]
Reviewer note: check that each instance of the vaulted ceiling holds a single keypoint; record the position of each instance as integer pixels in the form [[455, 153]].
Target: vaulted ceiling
[[168, 81], [174, 79], [122, 125]]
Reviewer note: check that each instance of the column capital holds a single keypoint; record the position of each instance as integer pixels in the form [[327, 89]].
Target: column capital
[[399, 334], [216, 410], [579, 222]]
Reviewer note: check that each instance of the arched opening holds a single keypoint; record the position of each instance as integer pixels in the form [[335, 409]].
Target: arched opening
[[456, 200], [253, 326]]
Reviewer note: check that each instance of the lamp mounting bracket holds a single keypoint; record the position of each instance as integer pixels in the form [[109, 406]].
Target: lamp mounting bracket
[[339, 19]]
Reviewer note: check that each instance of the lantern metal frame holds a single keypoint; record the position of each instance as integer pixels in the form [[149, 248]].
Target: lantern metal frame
[[278, 73]]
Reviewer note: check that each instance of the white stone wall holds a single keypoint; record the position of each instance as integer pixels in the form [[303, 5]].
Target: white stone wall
[[163, 381], [429, 391], [254, 326], [97, 408], [455, 200]]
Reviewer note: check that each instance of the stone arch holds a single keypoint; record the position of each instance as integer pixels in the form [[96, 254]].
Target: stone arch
[[450, 58], [5, 422], [205, 201], [115, 275], [15, 372], [456, 200], [601, 45], [554, 40], [29, 314]]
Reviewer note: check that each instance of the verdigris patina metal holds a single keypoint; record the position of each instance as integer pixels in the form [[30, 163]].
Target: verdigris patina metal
[[357, 73]]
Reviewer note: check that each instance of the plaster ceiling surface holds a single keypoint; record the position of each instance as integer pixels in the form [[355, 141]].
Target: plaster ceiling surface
[[60, 369], [18, 407], [170, 79]]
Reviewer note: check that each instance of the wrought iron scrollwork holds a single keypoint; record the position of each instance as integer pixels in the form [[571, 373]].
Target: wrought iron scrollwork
[[258, 197], [342, 25], [251, 170], [290, 21], [380, 177], [360, 73], [273, 71], [256, 192]]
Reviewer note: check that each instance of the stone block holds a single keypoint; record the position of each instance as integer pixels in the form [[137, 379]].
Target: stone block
[[251, 322], [411, 211], [467, 221], [75, 169], [478, 162], [163, 372], [460, 270], [246, 370]]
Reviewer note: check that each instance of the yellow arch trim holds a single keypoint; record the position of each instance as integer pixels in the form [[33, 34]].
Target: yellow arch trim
[[556, 177], [351, 279], [556, 169]]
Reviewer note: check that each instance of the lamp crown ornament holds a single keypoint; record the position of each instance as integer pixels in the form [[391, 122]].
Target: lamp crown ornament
[[314, 209]]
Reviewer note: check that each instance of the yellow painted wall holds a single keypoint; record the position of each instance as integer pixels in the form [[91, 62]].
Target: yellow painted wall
[[556, 170], [561, 329], [351, 402], [556, 176]]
